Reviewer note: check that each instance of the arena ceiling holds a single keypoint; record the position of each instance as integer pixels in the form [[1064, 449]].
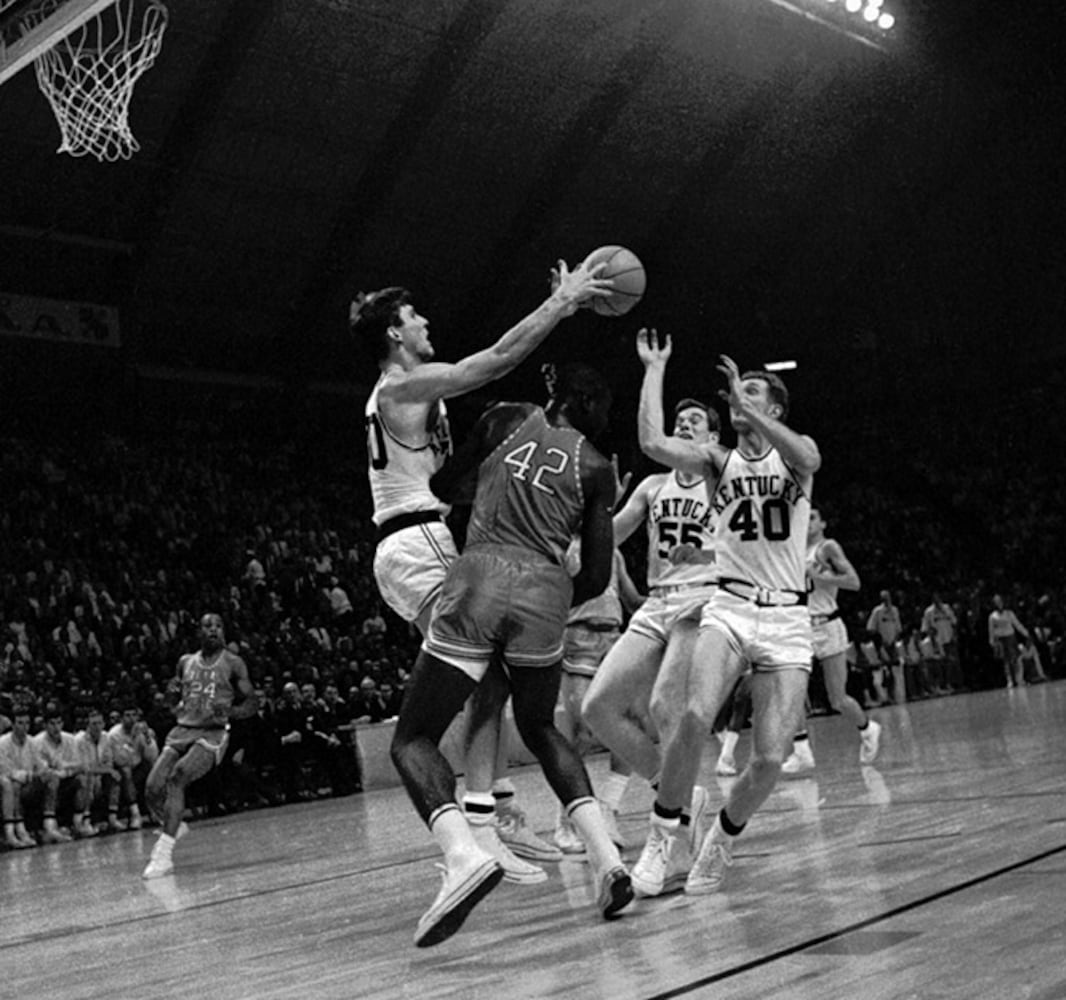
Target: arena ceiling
[[793, 193]]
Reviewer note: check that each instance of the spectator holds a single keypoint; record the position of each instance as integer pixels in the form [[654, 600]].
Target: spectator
[[1003, 631], [63, 778], [134, 749], [19, 766], [101, 778], [940, 624], [885, 621]]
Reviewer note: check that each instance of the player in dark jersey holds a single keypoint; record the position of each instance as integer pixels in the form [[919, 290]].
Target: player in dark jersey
[[539, 483], [212, 686]]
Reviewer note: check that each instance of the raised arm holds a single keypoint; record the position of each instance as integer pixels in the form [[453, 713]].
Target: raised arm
[[797, 450], [839, 571], [437, 380], [687, 456]]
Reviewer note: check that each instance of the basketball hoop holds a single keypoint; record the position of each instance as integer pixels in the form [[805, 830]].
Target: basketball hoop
[[88, 77]]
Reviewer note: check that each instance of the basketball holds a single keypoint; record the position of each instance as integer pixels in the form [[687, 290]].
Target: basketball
[[626, 271]]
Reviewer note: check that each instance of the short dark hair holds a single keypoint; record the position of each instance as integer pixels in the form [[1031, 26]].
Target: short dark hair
[[775, 388], [575, 380], [372, 313], [688, 403]]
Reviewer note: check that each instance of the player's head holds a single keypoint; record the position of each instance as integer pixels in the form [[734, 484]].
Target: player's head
[[816, 527], [212, 632], [94, 723], [767, 392], [583, 394], [696, 421], [387, 321], [53, 720], [998, 602]]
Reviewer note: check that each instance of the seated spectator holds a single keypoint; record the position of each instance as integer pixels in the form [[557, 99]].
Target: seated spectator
[[102, 780], [133, 752], [18, 769], [62, 779]]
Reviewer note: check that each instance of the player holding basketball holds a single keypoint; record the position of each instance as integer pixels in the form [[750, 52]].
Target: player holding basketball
[[408, 440], [757, 615], [207, 684], [539, 482], [828, 572], [646, 670]]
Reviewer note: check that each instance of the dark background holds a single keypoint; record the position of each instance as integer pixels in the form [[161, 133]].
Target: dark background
[[892, 219]]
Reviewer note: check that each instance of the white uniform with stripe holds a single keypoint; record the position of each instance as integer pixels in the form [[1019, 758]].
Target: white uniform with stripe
[[763, 507], [409, 564], [828, 633], [678, 513]]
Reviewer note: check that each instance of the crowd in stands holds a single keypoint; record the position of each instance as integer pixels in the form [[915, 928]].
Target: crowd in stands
[[111, 547]]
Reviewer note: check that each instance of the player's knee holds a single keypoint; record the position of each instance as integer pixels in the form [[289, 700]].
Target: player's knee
[[766, 766]]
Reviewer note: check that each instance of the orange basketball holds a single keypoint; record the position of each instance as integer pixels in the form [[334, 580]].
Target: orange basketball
[[626, 271]]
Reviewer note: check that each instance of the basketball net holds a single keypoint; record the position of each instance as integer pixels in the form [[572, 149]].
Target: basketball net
[[88, 77]]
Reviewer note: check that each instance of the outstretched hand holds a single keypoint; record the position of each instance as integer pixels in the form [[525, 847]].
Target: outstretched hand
[[653, 349], [580, 286], [734, 396]]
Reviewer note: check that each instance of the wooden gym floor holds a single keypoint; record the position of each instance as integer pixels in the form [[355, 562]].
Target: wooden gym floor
[[939, 873]]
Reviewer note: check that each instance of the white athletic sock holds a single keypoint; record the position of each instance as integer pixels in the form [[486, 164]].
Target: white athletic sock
[[479, 807], [729, 743], [164, 847], [451, 831], [586, 816]]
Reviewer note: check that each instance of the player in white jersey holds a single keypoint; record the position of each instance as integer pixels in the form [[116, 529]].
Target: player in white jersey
[[757, 617], [407, 441], [645, 673], [828, 572], [592, 629]]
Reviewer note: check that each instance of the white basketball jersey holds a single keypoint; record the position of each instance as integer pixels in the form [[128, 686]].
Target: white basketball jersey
[[763, 508], [400, 470], [821, 596], [679, 514]]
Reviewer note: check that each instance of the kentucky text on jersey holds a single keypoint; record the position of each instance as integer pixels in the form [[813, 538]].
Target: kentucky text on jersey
[[688, 508], [740, 487]]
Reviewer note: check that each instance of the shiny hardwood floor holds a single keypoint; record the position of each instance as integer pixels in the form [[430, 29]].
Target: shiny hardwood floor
[[938, 873]]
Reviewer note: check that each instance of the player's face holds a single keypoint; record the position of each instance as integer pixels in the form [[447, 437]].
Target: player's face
[[95, 725], [758, 393], [211, 632], [414, 333], [816, 526], [691, 424]]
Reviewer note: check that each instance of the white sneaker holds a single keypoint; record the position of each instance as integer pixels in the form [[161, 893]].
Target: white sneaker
[[513, 830], [610, 820], [649, 873], [710, 865], [801, 759], [871, 742], [462, 890], [568, 841], [514, 869], [135, 823], [157, 867], [726, 766], [84, 829]]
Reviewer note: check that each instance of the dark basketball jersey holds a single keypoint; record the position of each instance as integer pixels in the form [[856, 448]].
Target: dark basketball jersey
[[529, 490], [207, 689]]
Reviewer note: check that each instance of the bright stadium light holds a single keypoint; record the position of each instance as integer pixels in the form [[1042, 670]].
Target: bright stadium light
[[780, 366], [885, 21], [870, 14], [853, 6]]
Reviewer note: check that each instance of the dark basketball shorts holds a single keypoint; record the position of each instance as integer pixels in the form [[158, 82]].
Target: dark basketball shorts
[[499, 599]]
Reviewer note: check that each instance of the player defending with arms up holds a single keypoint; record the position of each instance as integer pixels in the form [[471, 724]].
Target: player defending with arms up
[[408, 440], [212, 686], [758, 615], [507, 597]]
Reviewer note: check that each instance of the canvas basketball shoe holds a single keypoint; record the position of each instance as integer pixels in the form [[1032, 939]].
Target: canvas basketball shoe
[[649, 873], [567, 840], [464, 887], [871, 742], [616, 892], [800, 760], [514, 868], [516, 834], [708, 870]]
